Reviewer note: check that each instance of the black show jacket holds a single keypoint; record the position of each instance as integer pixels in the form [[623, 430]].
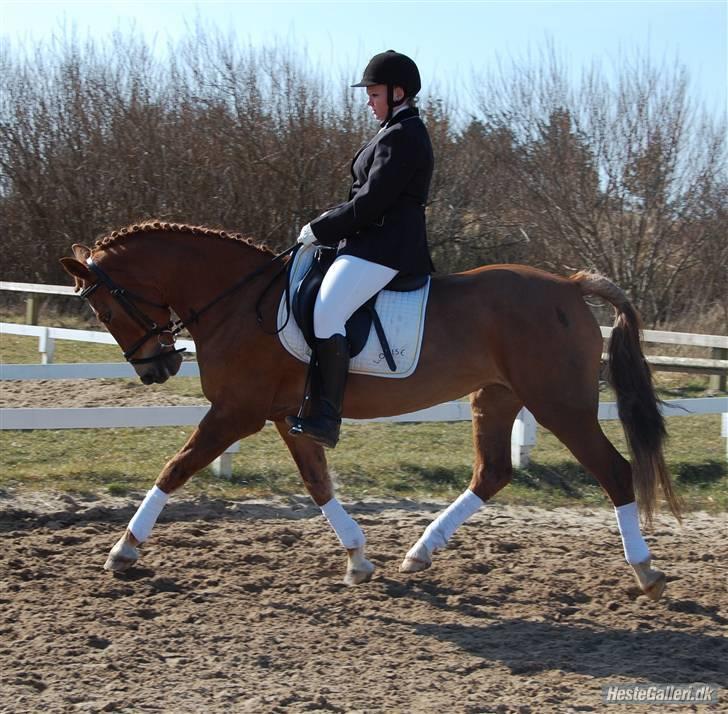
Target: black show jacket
[[384, 219]]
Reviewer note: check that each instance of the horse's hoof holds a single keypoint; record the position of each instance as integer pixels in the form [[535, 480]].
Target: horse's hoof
[[359, 569], [417, 559], [122, 556], [359, 575], [651, 582], [414, 565]]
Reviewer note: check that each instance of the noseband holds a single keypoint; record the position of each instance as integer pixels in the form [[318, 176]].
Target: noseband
[[128, 302]]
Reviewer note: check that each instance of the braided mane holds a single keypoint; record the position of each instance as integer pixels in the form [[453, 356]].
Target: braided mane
[[154, 225]]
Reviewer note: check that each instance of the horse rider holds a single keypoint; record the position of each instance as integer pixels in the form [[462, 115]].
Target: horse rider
[[378, 232]]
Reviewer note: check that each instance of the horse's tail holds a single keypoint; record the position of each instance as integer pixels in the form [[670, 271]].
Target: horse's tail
[[637, 403]]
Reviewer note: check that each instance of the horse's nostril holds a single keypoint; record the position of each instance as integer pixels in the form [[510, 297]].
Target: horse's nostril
[[172, 363]]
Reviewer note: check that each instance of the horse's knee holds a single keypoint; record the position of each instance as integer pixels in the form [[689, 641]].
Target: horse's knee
[[173, 476], [319, 485], [487, 481]]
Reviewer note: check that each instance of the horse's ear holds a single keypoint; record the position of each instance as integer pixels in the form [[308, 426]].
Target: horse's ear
[[78, 270], [76, 267], [81, 251]]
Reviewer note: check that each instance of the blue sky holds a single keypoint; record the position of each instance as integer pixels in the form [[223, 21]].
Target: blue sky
[[447, 39]]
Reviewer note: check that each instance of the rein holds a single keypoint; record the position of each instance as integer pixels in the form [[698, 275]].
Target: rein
[[129, 300], [179, 325]]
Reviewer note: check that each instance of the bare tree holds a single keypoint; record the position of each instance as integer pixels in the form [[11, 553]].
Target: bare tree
[[95, 136], [622, 174], [615, 175]]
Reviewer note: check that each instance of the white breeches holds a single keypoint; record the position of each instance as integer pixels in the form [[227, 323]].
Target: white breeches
[[347, 285]]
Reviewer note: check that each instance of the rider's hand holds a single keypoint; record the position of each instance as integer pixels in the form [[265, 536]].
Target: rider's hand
[[306, 236]]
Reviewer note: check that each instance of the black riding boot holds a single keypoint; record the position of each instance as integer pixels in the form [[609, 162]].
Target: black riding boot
[[333, 368]]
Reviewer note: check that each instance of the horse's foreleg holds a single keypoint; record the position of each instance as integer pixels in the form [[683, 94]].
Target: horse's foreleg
[[311, 461], [213, 435], [494, 409]]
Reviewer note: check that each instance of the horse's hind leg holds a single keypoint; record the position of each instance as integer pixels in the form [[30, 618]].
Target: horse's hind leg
[[311, 461], [494, 409], [579, 430]]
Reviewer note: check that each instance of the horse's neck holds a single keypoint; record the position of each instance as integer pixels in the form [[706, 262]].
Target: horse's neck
[[191, 271]]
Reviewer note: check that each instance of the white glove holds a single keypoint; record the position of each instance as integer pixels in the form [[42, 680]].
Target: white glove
[[306, 236]]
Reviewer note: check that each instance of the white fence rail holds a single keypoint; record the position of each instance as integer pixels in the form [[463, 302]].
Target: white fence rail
[[31, 302], [48, 335], [523, 435], [716, 365], [90, 370], [668, 338], [33, 289], [524, 430], [678, 338]]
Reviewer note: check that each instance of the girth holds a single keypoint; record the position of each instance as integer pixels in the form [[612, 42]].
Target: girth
[[360, 323]]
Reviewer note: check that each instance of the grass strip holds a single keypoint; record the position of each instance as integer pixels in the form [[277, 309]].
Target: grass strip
[[426, 460]]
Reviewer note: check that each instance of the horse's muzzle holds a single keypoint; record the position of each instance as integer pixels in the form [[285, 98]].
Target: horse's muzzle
[[166, 365]]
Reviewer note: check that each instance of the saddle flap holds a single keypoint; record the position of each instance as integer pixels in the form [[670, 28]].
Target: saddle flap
[[304, 300]]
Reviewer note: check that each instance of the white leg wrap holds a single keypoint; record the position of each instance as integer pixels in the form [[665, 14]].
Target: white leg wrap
[[439, 532], [635, 548], [347, 530], [146, 516]]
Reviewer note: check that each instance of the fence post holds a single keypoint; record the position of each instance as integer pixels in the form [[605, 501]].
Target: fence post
[[718, 381], [31, 309], [223, 464], [46, 347], [523, 438]]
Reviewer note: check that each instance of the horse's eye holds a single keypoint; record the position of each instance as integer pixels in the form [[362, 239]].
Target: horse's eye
[[105, 317]]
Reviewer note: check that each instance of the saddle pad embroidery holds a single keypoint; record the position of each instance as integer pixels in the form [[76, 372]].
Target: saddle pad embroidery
[[402, 316]]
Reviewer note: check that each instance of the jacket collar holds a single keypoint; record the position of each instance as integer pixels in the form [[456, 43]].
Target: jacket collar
[[401, 116], [398, 117]]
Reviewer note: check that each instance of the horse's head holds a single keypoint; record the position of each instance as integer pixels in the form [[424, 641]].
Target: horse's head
[[133, 314]]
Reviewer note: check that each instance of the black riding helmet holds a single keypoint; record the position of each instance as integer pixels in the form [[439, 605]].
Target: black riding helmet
[[392, 68]]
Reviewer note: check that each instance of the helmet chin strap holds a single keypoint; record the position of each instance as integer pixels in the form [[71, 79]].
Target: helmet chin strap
[[391, 104]]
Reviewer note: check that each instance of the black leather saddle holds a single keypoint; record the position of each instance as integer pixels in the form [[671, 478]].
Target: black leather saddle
[[360, 323]]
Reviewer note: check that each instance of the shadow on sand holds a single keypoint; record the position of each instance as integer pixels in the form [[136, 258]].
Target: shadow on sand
[[529, 646]]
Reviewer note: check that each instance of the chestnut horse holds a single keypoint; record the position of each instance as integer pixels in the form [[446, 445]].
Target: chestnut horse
[[507, 335]]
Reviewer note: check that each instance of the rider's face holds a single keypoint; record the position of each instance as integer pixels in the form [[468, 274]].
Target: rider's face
[[378, 99]]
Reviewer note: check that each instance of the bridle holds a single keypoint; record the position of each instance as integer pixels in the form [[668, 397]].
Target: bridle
[[128, 301]]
